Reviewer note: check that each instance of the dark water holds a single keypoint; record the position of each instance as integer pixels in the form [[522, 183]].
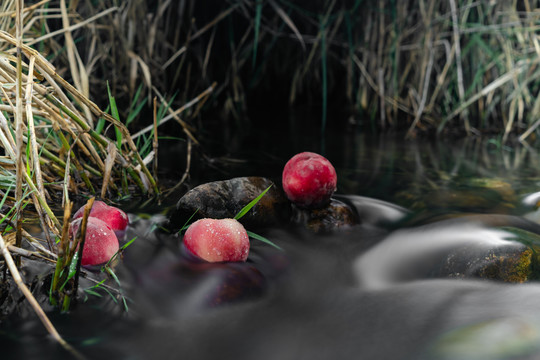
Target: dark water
[[364, 292]]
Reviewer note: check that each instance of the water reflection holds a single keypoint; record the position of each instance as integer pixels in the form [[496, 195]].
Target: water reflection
[[390, 169]]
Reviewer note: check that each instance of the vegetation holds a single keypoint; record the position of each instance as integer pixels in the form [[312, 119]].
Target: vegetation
[[74, 75], [452, 66]]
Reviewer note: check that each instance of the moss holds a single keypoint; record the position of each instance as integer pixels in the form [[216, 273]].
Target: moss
[[515, 268]]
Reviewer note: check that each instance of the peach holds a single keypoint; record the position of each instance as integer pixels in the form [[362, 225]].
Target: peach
[[115, 218], [100, 243], [309, 180], [217, 240]]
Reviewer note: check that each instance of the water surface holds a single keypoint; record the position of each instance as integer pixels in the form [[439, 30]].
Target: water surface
[[368, 291]]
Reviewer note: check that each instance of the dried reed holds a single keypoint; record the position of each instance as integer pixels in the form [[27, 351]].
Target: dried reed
[[455, 65]]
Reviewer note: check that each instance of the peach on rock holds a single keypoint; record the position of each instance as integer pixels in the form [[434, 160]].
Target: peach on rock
[[217, 240], [100, 243], [115, 218], [309, 180]]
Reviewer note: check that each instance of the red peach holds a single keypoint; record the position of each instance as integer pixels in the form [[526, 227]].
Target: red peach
[[309, 180], [115, 218], [217, 240], [100, 243]]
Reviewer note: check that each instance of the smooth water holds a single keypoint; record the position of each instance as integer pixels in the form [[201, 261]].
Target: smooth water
[[364, 292]]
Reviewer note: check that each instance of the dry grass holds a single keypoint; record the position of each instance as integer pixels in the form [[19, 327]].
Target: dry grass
[[468, 67], [48, 124]]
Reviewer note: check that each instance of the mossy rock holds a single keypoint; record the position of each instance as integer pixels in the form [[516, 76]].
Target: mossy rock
[[515, 261]]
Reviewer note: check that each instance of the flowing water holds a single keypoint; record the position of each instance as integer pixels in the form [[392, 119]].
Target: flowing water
[[370, 291]]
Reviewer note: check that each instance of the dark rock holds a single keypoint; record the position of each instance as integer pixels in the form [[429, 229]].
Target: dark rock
[[509, 263], [375, 212], [336, 215], [224, 199], [465, 247], [184, 285]]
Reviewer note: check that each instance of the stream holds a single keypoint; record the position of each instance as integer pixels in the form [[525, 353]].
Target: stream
[[442, 265]]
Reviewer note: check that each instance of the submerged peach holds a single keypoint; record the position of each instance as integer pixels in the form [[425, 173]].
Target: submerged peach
[[115, 218], [309, 180], [100, 243], [217, 240]]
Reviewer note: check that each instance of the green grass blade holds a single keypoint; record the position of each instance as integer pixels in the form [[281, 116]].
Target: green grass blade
[[127, 244], [136, 106], [100, 125], [72, 270], [186, 224], [164, 107], [324, 77], [263, 239], [110, 271], [258, 15], [248, 207], [92, 292], [4, 200], [115, 114]]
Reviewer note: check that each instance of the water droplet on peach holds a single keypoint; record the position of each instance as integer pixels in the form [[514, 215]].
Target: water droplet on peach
[[100, 244], [309, 180], [217, 240]]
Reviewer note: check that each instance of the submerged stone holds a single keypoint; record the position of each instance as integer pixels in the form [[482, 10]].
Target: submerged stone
[[331, 217], [473, 195], [499, 338], [183, 286], [225, 199]]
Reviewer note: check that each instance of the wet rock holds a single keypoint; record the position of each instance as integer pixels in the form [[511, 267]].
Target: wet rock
[[529, 207], [508, 263], [224, 199], [375, 212], [331, 217], [457, 248], [237, 284], [183, 286], [516, 260]]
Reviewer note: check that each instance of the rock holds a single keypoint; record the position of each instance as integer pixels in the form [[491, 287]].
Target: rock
[[375, 212], [237, 284], [513, 260], [331, 217], [508, 263], [179, 285], [466, 247], [224, 199]]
